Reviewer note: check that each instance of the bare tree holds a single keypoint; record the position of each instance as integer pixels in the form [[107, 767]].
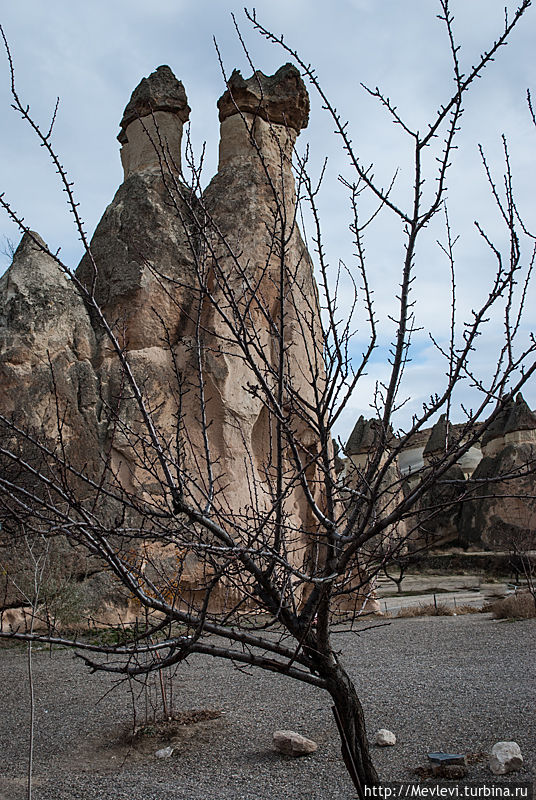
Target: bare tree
[[270, 583], [8, 249], [400, 565]]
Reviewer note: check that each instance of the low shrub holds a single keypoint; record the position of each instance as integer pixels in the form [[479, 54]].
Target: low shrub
[[521, 605]]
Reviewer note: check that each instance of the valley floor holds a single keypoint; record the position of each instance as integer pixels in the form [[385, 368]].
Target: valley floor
[[440, 683]]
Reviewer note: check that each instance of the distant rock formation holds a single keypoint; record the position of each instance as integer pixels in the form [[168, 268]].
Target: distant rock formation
[[411, 458], [364, 440], [368, 441], [502, 515], [438, 440], [497, 478], [439, 513], [516, 424]]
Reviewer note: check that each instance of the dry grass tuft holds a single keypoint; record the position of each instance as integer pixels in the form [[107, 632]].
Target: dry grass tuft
[[516, 606], [430, 610]]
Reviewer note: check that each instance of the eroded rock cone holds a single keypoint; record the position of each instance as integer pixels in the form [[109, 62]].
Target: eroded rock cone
[[47, 345], [141, 246], [502, 516], [49, 391], [441, 526]]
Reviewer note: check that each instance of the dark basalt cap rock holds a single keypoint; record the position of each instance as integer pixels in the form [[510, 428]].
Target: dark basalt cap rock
[[438, 437], [161, 91], [515, 416], [281, 98], [364, 436]]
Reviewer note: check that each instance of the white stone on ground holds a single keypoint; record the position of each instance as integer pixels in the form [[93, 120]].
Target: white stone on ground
[[166, 752], [505, 757], [385, 738]]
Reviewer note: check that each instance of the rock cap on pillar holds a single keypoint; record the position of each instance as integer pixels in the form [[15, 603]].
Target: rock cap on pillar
[[161, 91], [515, 416], [281, 98], [366, 436]]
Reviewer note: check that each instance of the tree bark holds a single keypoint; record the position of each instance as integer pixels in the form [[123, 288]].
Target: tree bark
[[350, 720]]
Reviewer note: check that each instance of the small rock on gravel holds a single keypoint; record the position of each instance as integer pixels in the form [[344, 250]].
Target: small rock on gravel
[[165, 752], [505, 757], [385, 738], [293, 744]]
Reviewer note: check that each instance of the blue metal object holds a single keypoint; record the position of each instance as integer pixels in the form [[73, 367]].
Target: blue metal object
[[447, 758]]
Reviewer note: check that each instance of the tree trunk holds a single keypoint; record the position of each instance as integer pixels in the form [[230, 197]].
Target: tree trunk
[[350, 721]]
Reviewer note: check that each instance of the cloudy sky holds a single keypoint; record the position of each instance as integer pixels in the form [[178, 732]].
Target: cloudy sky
[[92, 55]]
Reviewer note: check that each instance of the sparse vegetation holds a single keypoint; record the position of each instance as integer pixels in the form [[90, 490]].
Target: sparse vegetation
[[517, 606], [433, 610], [167, 729]]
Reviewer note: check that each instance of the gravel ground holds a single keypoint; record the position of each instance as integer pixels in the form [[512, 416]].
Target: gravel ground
[[443, 683]]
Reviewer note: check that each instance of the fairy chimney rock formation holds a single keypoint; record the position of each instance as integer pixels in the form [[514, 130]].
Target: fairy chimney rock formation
[[152, 123], [504, 514], [140, 247], [516, 424], [364, 437], [260, 120], [156, 256]]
